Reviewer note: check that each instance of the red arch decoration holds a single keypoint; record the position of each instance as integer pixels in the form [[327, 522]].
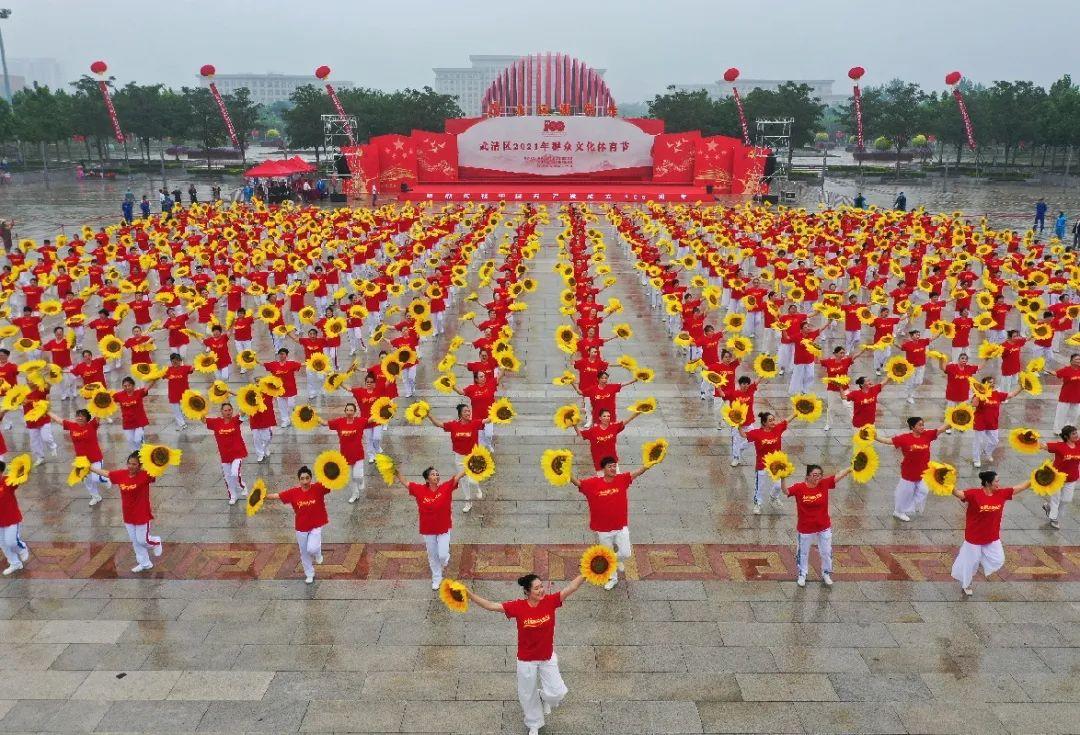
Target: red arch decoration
[[545, 83]]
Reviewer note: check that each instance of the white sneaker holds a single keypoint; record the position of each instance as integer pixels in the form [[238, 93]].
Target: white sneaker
[[911, 401], [967, 591], [977, 464], [95, 500], [902, 517], [232, 501], [827, 427], [24, 553], [54, 450], [261, 458], [309, 579], [757, 509], [479, 494], [12, 569], [734, 463], [547, 707], [466, 508], [181, 427], [801, 581], [39, 461], [775, 503], [141, 568], [355, 496], [948, 431], [621, 567], [435, 585], [610, 584], [534, 731], [826, 579], [158, 548], [371, 460]]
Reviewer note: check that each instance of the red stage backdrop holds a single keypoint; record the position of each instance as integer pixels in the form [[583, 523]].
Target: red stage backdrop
[[397, 161], [673, 157], [436, 156], [712, 162]]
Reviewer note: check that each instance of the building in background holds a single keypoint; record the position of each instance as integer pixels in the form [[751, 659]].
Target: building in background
[[267, 89], [822, 88], [468, 83], [45, 72]]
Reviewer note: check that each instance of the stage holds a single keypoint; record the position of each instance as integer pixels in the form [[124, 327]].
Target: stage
[[553, 192]]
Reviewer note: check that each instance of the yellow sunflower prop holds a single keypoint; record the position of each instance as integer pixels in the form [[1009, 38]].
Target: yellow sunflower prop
[[501, 411], [256, 497], [386, 468], [567, 416], [864, 463], [628, 362], [1024, 440], [250, 400], [940, 478], [111, 347], [15, 397], [864, 436], [765, 366], [383, 410], [989, 351], [960, 417], [807, 407], [18, 470], [156, 458], [734, 322], [646, 405], [272, 386], [1046, 480], [193, 405], [557, 464], [445, 383], [218, 392], [332, 469], [598, 563], [1030, 382], [417, 412], [80, 468], [734, 413], [623, 331], [247, 359], [644, 375], [304, 417], [778, 465], [898, 369], [654, 452], [454, 595], [37, 410], [205, 363], [741, 346], [318, 363], [101, 405], [479, 464]]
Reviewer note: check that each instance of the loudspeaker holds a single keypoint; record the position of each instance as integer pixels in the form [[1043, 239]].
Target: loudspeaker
[[770, 199], [341, 164], [770, 166]]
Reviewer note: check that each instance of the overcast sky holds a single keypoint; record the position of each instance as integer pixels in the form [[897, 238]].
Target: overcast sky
[[644, 46]]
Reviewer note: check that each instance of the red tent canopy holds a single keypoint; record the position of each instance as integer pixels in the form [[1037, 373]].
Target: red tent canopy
[[294, 165]]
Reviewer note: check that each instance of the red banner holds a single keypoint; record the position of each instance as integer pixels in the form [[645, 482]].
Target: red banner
[[673, 157], [858, 119], [712, 162], [224, 115], [341, 111], [436, 156], [742, 116], [397, 161], [104, 87], [969, 130]]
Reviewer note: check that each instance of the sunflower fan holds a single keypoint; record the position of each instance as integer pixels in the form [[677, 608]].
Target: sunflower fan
[[1025, 440], [479, 464], [654, 452], [598, 564], [18, 470], [80, 468], [454, 595], [940, 478], [417, 412], [501, 411], [332, 469], [1046, 480], [960, 417], [807, 407], [778, 465], [386, 468], [156, 458], [556, 465], [256, 498]]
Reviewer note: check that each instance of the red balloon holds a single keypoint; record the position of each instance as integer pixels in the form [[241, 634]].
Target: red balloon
[[731, 74], [322, 72], [207, 70], [99, 67], [855, 73], [953, 77]]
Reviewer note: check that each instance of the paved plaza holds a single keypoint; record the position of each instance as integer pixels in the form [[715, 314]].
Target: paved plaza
[[706, 633]]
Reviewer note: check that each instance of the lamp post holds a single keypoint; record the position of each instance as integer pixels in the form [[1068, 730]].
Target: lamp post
[[4, 14]]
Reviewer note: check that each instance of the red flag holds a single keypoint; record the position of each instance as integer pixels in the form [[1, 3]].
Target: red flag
[[119, 134]]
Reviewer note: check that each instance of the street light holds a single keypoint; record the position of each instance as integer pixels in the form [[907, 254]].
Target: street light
[[5, 13]]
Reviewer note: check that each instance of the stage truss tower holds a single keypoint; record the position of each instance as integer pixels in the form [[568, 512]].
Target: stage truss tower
[[336, 131], [776, 136]]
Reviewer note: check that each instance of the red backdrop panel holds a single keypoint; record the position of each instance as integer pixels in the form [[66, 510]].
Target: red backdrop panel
[[712, 162], [397, 161], [436, 156], [748, 171], [455, 125], [673, 157], [649, 125]]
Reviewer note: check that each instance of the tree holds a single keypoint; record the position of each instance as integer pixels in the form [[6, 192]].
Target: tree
[[303, 123], [206, 125], [41, 116], [142, 110], [895, 111], [683, 110], [89, 117], [788, 100], [1012, 112], [244, 115], [7, 122]]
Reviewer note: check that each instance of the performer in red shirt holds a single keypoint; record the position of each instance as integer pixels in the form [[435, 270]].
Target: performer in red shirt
[[433, 508], [134, 482], [982, 528], [92, 369], [603, 437], [911, 491], [84, 440], [984, 436], [59, 353], [218, 343], [767, 438], [539, 683], [350, 429], [285, 370], [1068, 405], [1067, 461], [231, 449], [957, 387], [15, 550], [308, 501], [813, 522], [609, 509], [481, 395], [914, 349], [133, 417], [464, 436], [177, 378]]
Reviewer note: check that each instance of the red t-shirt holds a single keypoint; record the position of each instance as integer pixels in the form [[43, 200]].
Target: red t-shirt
[[983, 522], [766, 441], [134, 495], [957, 388], [812, 505], [309, 506], [1066, 459], [864, 405], [481, 397], [1070, 384], [91, 372], [608, 502], [285, 371], [10, 514], [915, 351], [988, 412], [463, 435], [132, 412], [229, 440], [603, 441], [350, 433], [84, 439], [916, 453], [536, 626], [177, 378], [433, 506]]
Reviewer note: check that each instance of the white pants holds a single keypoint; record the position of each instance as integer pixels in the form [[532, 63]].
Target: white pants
[[1065, 495], [438, 554], [234, 481], [970, 556], [761, 477], [739, 443], [373, 440], [983, 444], [356, 338], [314, 383], [408, 381], [93, 483], [802, 378], [1008, 383], [487, 436], [223, 373], [12, 545], [178, 415], [852, 339], [785, 355], [283, 407], [134, 438], [539, 682], [310, 543], [331, 353], [67, 386], [910, 497], [261, 439], [881, 357], [39, 439], [358, 480], [619, 542], [142, 542], [1066, 414], [824, 547], [915, 381], [468, 484]]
